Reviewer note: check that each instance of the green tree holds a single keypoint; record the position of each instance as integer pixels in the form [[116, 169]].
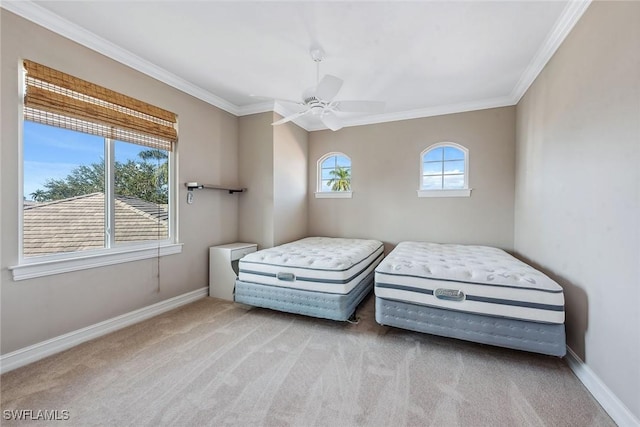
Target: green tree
[[39, 195], [147, 179], [340, 179], [82, 180]]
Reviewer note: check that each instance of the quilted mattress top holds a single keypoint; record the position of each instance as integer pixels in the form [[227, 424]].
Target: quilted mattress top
[[464, 263], [316, 253]]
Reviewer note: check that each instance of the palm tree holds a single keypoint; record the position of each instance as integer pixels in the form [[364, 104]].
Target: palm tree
[[341, 179], [39, 196]]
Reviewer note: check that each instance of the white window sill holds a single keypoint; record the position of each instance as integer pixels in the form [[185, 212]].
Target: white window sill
[[32, 268], [334, 195], [465, 192]]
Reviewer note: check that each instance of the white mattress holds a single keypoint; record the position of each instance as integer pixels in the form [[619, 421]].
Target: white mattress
[[473, 279], [323, 264]]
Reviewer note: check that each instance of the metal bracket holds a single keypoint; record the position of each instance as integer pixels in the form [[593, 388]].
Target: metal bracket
[[197, 186]]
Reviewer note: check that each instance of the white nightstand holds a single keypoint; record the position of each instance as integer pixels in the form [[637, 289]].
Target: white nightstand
[[223, 267]]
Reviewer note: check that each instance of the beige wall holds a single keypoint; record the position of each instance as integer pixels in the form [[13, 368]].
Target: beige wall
[[385, 177], [290, 146], [38, 309], [273, 166], [256, 174], [577, 211]]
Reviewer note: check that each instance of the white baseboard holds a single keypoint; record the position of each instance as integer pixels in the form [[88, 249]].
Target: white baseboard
[[55, 345], [617, 410]]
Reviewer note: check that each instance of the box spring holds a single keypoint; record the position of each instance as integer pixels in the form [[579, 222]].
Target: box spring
[[544, 338], [309, 303]]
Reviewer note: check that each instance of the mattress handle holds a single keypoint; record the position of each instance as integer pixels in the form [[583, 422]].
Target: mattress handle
[[287, 277], [449, 294]]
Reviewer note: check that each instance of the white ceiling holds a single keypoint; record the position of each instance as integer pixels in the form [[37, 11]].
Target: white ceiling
[[421, 58]]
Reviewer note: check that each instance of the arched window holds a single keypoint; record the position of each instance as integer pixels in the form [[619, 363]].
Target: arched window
[[334, 175], [444, 171]]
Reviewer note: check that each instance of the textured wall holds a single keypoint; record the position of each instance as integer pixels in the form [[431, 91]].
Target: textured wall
[[38, 309], [386, 166], [577, 211]]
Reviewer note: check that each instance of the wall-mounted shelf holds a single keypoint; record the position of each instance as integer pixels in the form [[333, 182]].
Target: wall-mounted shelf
[[198, 186]]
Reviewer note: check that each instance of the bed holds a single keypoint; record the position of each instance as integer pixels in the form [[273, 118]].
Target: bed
[[474, 293], [317, 276]]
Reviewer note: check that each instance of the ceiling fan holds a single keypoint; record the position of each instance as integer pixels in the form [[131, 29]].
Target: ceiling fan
[[318, 100]]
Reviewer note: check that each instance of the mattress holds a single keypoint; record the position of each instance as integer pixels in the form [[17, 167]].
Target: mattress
[[316, 264], [469, 279]]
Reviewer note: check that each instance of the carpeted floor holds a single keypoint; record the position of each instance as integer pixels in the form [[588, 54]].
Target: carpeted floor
[[215, 363]]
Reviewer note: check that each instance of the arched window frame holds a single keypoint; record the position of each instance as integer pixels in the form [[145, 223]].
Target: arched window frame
[[461, 192], [320, 194]]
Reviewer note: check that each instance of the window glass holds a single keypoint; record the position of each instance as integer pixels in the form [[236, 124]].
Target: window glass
[[343, 161], [66, 186], [64, 190], [452, 153], [141, 179], [453, 182], [444, 168], [326, 173], [453, 166], [334, 173], [431, 168], [432, 182], [434, 155]]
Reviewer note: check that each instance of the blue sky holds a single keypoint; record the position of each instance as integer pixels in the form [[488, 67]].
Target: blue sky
[[52, 153]]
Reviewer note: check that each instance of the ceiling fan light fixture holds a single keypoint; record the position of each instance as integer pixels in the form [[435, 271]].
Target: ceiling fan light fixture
[[318, 100]]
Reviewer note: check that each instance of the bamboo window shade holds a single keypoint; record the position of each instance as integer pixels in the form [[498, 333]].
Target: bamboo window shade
[[58, 99]]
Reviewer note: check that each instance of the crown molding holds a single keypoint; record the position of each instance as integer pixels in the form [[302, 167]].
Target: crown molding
[[570, 16], [261, 107], [49, 20], [423, 112]]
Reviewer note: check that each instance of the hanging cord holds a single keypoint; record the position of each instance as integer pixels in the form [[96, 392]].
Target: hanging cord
[[159, 221]]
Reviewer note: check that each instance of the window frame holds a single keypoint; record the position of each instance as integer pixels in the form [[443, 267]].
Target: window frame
[[113, 253], [331, 194], [445, 192]]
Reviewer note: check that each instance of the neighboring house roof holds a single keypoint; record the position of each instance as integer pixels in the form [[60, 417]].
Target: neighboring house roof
[[77, 223]]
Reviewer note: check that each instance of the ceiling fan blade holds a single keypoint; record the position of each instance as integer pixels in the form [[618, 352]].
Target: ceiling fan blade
[[359, 106], [331, 121], [328, 87], [289, 118]]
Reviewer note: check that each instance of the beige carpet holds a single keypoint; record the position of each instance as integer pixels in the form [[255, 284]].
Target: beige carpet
[[214, 363]]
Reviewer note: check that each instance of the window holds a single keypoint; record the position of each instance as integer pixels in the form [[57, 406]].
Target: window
[[334, 176], [97, 173], [444, 171]]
